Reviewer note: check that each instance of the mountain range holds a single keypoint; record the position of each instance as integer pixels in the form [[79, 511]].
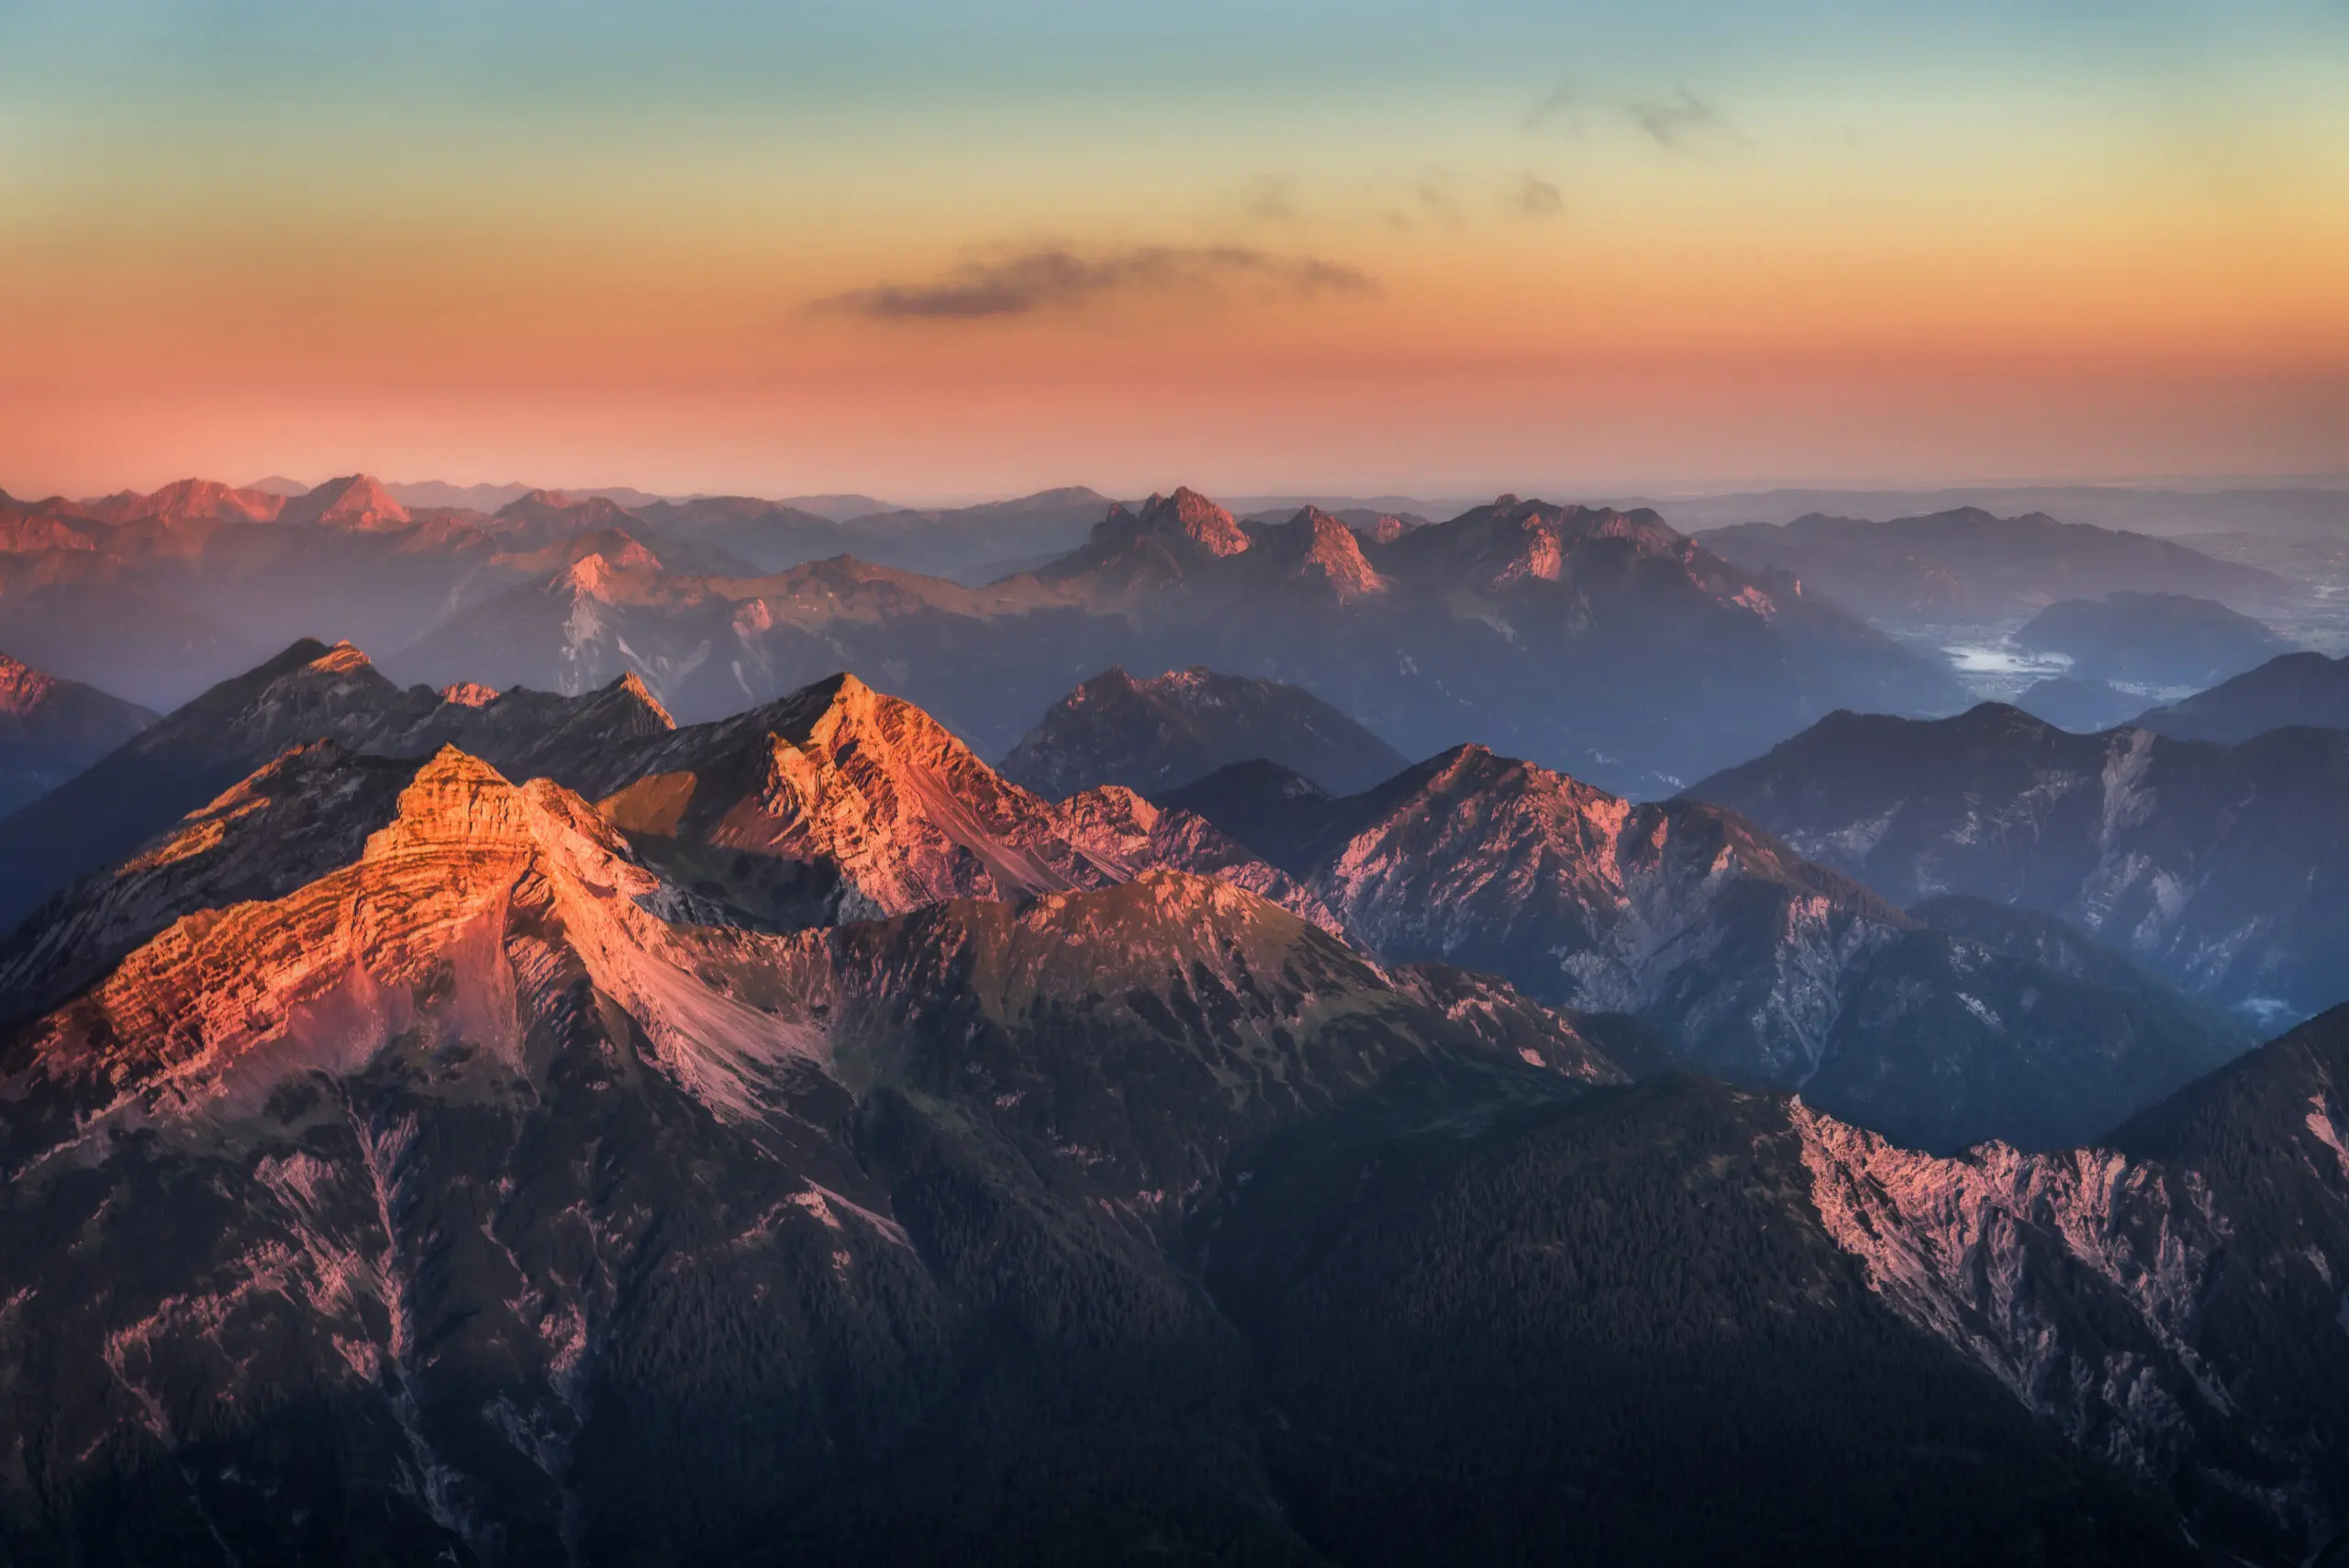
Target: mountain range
[[1971, 565], [1601, 641], [1577, 636], [628, 1081], [1753, 962], [837, 803], [2226, 869], [478, 1190]]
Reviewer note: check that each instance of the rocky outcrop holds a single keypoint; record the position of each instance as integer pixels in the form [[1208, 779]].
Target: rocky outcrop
[[2171, 1301]]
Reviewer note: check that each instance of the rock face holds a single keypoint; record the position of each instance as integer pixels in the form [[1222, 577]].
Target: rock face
[[840, 803], [2225, 870], [51, 729], [2170, 1302], [2303, 689], [309, 693], [2155, 639], [1970, 565], [1158, 735], [1754, 962]]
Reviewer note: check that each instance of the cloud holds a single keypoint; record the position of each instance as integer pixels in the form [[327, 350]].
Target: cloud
[[1052, 278], [1680, 121], [1270, 198], [1536, 198], [1563, 102]]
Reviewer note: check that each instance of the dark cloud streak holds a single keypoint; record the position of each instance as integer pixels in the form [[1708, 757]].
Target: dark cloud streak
[[1562, 102], [1051, 278], [1680, 121]]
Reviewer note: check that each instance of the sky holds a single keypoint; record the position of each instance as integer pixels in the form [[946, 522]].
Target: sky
[[936, 251]]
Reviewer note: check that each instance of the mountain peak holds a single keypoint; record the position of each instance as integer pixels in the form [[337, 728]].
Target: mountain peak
[[354, 501], [342, 658], [1194, 516], [631, 685], [586, 577], [22, 687], [1321, 545], [468, 694]]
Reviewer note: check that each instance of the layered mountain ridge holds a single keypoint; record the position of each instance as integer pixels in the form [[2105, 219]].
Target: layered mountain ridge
[[782, 1137], [2220, 868], [1427, 635], [1612, 616], [1754, 962]]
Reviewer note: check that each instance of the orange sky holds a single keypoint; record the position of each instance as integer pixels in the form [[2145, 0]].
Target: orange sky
[[1808, 269]]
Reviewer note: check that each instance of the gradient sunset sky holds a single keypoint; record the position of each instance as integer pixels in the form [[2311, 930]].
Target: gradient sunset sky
[[931, 250]]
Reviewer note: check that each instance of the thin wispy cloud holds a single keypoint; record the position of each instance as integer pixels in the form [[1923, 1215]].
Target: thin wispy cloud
[[1561, 102], [1680, 121], [1271, 198], [1052, 278], [1537, 197]]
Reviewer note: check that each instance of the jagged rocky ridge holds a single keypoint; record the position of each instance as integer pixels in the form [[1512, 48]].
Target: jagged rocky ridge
[[2171, 1300], [1754, 962], [839, 803], [2223, 868], [308, 693]]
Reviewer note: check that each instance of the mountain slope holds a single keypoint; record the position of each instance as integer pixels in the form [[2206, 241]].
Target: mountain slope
[[1751, 961], [841, 803], [1158, 735], [308, 693], [481, 1206], [2224, 870], [51, 729], [2298, 689], [2170, 1301], [1497, 1345]]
